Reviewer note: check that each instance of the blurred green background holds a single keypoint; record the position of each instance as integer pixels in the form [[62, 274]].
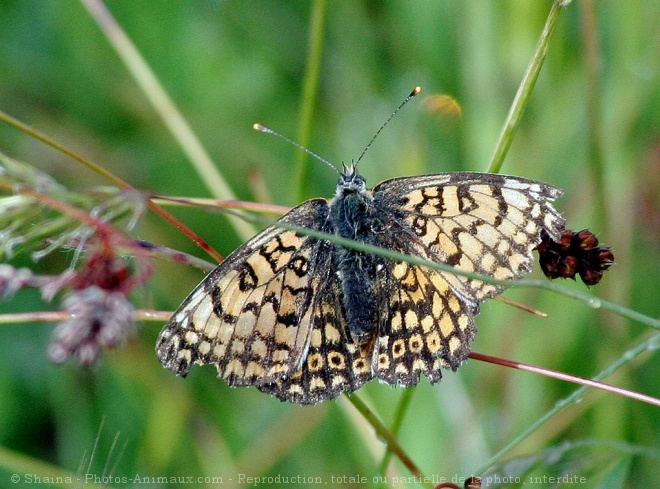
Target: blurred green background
[[591, 128]]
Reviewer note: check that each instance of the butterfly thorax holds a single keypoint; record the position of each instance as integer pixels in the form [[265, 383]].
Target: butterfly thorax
[[352, 217]]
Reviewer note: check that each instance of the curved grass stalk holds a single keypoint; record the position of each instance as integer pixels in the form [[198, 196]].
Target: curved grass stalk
[[399, 414], [163, 104], [568, 377], [590, 300], [112, 177], [652, 343], [389, 438]]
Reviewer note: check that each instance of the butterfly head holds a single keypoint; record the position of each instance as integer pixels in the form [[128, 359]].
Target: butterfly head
[[350, 182]]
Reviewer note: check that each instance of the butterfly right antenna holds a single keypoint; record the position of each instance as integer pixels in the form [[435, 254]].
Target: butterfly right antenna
[[414, 93]]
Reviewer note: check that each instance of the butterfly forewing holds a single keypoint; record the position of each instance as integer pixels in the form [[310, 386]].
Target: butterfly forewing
[[478, 222], [252, 316]]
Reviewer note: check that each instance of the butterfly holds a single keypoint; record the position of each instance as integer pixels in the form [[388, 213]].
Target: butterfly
[[305, 319]]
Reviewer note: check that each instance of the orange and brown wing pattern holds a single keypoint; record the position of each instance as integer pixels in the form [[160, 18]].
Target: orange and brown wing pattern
[[333, 363], [482, 223], [477, 222], [423, 325], [253, 315]]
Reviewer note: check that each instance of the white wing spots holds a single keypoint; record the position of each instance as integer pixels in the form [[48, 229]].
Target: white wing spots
[[488, 262], [184, 355], [332, 334], [204, 347], [191, 338], [211, 330]]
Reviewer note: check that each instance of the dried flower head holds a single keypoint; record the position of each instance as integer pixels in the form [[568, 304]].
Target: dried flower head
[[100, 319], [95, 289], [575, 253], [102, 312]]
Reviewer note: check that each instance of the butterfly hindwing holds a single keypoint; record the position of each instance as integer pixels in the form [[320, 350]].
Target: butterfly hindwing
[[252, 315], [334, 363], [423, 325]]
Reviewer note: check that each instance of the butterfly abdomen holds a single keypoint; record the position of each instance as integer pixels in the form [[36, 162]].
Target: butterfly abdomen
[[351, 218], [357, 272]]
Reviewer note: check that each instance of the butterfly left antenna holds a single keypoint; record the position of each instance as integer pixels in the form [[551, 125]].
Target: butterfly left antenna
[[268, 130], [414, 93]]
